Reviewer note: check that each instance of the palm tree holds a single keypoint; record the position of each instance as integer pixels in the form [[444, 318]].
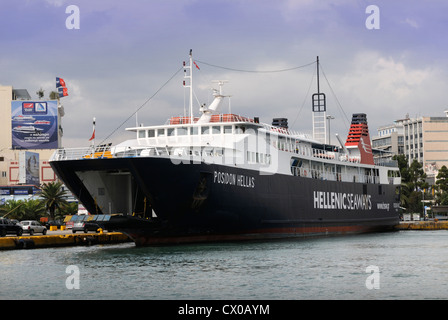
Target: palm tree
[[33, 209], [53, 197], [12, 209], [71, 208]]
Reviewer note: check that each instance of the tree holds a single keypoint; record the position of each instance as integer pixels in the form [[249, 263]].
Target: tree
[[40, 93], [71, 208], [32, 209], [53, 197], [53, 95], [403, 166], [442, 186], [417, 185], [417, 176], [12, 209], [442, 179]]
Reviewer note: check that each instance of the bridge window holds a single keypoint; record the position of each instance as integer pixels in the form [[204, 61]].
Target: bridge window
[[205, 130], [181, 131], [193, 131]]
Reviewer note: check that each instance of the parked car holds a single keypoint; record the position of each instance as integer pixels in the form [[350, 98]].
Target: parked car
[[14, 221], [32, 226], [57, 223], [85, 226], [9, 227]]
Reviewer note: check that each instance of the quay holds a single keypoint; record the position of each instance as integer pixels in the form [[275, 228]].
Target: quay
[[67, 239], [61, 240], [423, 225]]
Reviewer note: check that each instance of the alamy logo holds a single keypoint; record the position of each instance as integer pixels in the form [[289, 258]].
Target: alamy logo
[[373, 280], [72, 281], [373, 20], [73, 20]]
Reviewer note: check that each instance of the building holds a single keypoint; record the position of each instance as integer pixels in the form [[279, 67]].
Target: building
[[389, 141], [424, 139], [13, 163]]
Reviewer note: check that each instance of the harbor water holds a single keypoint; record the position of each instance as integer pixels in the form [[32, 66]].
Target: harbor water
[[396, 265]]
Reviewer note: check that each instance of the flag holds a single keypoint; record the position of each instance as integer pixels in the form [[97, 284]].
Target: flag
[[63, 92], [93, 135], [196, 65], [60, 82], [62, 89]]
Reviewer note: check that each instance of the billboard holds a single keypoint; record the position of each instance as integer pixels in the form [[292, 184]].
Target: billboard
[[34, 124], [29, 168]]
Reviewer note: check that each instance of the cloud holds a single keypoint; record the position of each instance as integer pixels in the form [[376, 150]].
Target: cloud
[[56, 3], [412, 23], [387, 88], [125, 51]]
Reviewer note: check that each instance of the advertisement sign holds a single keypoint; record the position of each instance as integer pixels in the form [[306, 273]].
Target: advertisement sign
[[34, 124], [29, 168]]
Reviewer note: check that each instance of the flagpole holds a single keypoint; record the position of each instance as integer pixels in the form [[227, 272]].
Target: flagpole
[[191, 86]]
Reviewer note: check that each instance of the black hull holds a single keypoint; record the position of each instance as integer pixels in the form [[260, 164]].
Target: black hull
[[210, 202]]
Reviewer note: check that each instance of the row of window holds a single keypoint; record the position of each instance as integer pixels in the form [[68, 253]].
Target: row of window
[[412, 146], [415, 136], [192, 131], [255, 157], [412, 156]]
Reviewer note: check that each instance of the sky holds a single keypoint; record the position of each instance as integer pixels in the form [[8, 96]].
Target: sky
[[123, 64]]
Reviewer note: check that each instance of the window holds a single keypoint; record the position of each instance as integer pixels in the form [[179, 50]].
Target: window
[[141, 133], [193, 130], [160, 132], [151, 133], [181, 131], [227, 129], [216, 130], [170, 132], [239, 130], [205, 130]]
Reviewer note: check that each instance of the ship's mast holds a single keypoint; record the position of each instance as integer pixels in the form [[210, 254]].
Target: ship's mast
[[319, 109], [190, 83]]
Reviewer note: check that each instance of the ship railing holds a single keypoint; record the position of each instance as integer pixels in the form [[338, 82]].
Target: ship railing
[[224, 118], [334, 155], [128, 152], [214, 118], [385, 162], [99, 152]]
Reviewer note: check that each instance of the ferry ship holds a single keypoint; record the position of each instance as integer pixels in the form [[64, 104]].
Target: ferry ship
[[26, 129], [220, 177]]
